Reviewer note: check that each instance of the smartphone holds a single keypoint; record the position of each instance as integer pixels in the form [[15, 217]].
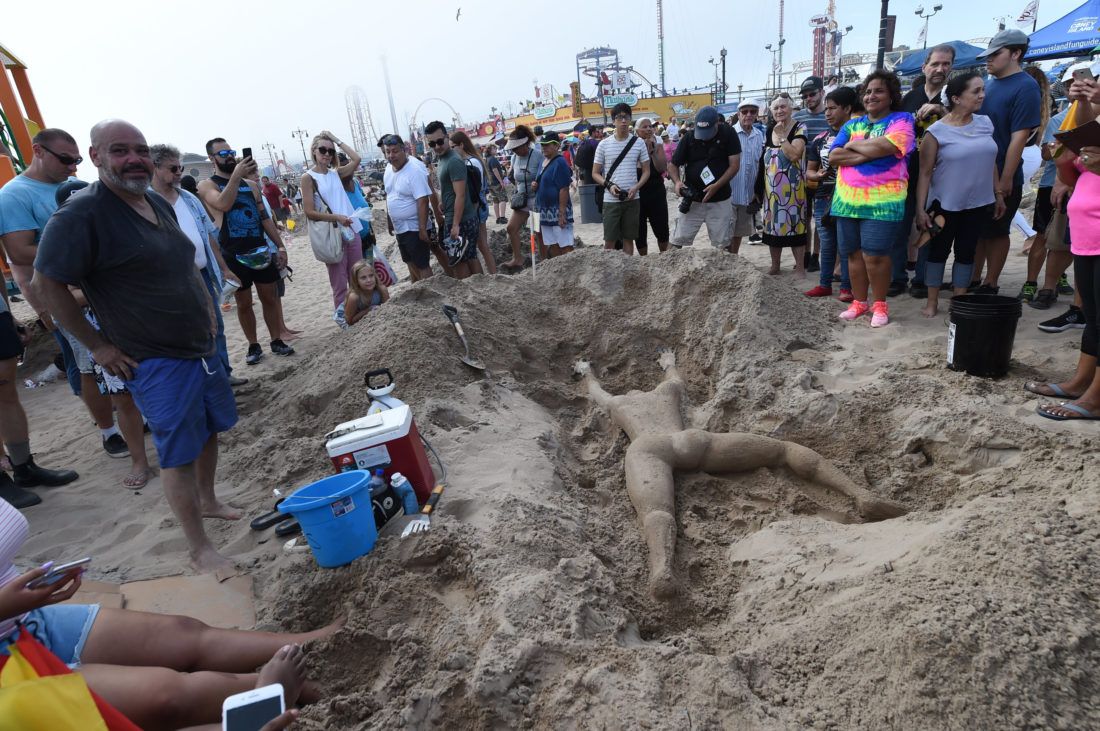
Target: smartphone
[[249, 711], [246, 152], [57, 573], [1083, 75]]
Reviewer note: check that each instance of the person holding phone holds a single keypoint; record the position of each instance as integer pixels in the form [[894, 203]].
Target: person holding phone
[[158, 670]]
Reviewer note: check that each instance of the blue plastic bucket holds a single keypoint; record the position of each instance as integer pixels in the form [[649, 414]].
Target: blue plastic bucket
[[336, 517]]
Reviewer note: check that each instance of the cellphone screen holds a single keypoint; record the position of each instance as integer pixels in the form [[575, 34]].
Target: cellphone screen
[[253, 716]]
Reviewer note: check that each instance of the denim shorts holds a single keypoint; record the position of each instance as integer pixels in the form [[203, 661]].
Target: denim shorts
[[185, 401], [61, 628], [872, 237]]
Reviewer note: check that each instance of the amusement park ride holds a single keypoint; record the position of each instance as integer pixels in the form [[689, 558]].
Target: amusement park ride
[[20, 118]]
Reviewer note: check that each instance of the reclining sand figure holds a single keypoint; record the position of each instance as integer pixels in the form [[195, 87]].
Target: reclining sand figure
[[659, 444]]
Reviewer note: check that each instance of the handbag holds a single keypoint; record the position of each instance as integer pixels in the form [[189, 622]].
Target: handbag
[[519, 199], [324, 236], [1056, 230]]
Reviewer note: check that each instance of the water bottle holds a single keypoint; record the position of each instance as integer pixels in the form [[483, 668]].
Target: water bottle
[[404, 490]]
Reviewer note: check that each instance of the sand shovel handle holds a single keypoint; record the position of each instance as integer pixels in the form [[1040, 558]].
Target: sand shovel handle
[[452, 315], [433, 499]]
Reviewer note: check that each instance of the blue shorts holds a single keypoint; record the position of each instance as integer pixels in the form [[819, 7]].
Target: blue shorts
[[61, 628], [185, 402], [872, 237]]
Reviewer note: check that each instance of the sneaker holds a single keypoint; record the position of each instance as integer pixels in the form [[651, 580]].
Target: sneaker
[[973, 287], [1068, 320], [880, 314], [278, 347], [502, 220], [918, 291], [235, 381], [896, 288], [819, 291], [115, 446], [856, 309], [846, 295], [1027, 292], [986, 289], [814, 265], [911, 266], [756, 239], [255, 354], [1044, 299], [1064, 287]]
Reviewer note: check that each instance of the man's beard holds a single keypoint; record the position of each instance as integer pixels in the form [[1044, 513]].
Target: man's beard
[[136, 187], [225, 167]]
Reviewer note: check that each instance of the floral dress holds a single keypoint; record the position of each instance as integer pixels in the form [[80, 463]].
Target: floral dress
[[786, 201]]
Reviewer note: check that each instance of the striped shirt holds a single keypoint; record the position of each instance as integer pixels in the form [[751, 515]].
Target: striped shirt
[[742, 185], [13, 534]]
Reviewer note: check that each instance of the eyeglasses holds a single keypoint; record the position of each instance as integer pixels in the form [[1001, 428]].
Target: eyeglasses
[[437, 143], [621, 117], [62, 158], [806, 94], [174, 169], [326, 150], [226, 153]]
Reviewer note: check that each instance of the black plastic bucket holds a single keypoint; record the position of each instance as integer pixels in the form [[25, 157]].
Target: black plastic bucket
[[981, 333]]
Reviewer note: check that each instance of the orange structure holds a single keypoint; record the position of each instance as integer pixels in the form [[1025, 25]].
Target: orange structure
[[20, 117]]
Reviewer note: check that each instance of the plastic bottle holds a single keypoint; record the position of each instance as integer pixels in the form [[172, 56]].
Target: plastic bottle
[[377, 482], [404, 490]]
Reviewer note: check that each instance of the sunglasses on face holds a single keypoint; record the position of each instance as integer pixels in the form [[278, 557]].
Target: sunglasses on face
[[226, 153], [174, 169], [62, 158], [437, 143], [325, 150], [391, 140]]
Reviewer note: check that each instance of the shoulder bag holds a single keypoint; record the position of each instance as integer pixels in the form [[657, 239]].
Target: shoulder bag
[[519, 198], [618, 160], [324, 236]]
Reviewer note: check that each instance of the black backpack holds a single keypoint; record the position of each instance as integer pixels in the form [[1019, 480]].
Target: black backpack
[[473, 183]]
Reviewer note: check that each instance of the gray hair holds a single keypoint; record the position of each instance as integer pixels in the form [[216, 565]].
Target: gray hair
[[161, 152]]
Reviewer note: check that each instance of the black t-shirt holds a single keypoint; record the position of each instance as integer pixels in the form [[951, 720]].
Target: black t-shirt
[[242, 225], [912, 102], [140, 278], [695, 155], [494, 164]]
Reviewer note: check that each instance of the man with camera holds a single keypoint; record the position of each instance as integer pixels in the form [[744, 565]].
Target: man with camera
[[711, 155], [622, 155]]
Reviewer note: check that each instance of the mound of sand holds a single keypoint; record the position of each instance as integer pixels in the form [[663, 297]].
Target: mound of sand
[[526, 604]]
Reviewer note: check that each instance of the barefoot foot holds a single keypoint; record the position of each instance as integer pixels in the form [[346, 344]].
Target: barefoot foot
[[221, 510], [288, 668], [209, 561], [929, 311]]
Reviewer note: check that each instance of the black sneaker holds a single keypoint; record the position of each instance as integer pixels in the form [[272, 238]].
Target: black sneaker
[[255, 354], [756, 239], [1064, 286], [895, 289], [986, 289], [1044, 299], [814, 265], [278, 347], [918, 290], [115, 446], [1071, 318], [973, 287], [1028, 291], [502, 220]]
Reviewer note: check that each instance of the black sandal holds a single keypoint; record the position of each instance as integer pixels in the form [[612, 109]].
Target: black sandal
[[267, 520], [289, 527]]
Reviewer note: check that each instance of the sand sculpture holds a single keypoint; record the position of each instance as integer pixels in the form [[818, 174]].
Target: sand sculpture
[[659, 444]]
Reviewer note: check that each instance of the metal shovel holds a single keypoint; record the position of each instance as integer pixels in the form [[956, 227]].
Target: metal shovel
[[423, 522], [452, 315]]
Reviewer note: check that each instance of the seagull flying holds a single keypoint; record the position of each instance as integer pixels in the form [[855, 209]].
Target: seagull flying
[[458, 14]]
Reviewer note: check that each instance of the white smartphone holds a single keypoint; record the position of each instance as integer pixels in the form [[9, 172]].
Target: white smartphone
[[57, 573], [249, 711]]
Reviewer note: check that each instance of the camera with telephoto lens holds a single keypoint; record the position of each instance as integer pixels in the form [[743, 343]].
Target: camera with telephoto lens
[[688, 195]]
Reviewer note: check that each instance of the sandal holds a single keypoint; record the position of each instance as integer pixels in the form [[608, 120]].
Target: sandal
[[137, 480], [1054, 389], [1083, 413], [269, 519]]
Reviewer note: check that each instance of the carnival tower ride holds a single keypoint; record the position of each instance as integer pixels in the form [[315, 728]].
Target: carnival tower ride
[[20, 118]]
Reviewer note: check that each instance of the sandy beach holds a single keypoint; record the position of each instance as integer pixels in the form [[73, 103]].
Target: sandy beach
[[526, 605]]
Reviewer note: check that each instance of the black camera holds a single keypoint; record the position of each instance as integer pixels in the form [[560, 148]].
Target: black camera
[[622, 195], [687, 197]]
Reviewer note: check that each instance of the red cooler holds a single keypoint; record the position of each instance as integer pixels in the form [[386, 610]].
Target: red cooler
[[388, 439]]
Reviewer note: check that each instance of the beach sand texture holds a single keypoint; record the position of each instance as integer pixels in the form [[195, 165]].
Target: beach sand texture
[[526, 606]]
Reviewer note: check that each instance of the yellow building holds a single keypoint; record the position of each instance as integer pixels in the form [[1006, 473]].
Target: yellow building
[[562, 119]]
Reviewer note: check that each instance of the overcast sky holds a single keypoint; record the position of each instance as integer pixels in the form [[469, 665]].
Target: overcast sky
[[185, 71]]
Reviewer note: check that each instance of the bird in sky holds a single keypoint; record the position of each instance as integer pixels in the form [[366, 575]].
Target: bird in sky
[[458, 14]]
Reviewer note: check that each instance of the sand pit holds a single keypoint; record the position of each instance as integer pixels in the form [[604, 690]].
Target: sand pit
[[527, 604]]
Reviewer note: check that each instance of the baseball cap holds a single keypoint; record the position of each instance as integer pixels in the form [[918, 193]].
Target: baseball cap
[[749, 103], [706, 123], [812, 83], [550, 138], [1007, 37], [68, 188]]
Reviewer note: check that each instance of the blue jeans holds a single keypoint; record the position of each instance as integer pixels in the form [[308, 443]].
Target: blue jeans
[[828, 238], [899, 255], [72, 372], [219, 339]]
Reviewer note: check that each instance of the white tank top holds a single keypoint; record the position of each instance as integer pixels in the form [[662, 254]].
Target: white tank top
[[332, 191]]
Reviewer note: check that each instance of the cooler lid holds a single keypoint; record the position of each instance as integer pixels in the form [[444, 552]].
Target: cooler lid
[[369, 430]]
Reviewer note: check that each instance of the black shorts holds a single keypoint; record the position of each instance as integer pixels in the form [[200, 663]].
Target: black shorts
[[999, 227], [1040, 217], [248, 275], [413, 250], [10, 344]]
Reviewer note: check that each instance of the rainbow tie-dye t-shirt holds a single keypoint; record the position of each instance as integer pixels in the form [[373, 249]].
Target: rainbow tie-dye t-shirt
[[875, 190]]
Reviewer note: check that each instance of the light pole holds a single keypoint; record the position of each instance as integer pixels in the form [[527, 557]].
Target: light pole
[[775, 83], [840, 52], [714, 95], [920, 13], [301, 134], [723, 54], [739, 93], [271, 155]]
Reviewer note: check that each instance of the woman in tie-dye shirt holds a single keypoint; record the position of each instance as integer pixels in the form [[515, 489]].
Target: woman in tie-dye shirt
[[871, 156]]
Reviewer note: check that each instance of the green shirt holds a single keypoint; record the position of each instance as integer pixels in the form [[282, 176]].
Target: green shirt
[[450, 168]]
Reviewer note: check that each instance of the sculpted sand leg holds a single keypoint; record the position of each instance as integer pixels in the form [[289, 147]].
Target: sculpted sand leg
[[659, 444]]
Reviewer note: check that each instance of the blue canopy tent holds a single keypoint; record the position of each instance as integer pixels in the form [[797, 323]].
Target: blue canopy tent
[[966, 57], [1074, 34]]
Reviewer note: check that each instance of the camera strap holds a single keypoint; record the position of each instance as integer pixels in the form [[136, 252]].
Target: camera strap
[[618, 160]]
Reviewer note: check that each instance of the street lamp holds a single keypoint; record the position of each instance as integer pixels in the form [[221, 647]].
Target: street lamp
[[840, 51], [776, 74], [715, 64], [919, 12], [270, 148], [301, 134]]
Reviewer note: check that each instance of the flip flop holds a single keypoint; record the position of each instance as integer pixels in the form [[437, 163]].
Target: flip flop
[[288, 527], [1085, 414], [269, 519], [133, 481], [1055, 390]]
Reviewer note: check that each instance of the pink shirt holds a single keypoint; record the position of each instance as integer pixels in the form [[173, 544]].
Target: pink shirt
[[1084, 213], [13, 534]]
